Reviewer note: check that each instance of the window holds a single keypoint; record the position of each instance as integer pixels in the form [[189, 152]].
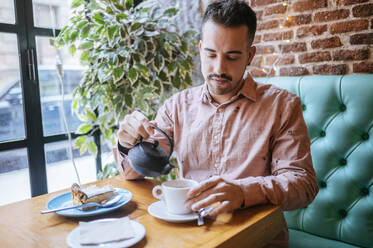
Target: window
[[33, 139]]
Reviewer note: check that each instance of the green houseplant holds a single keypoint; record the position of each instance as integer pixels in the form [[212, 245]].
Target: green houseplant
[[133, 59]]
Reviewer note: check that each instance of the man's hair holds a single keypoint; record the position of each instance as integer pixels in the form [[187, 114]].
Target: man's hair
[[232, 13]]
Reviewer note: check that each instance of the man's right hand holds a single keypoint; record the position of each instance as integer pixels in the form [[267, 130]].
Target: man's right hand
[[133, 127]]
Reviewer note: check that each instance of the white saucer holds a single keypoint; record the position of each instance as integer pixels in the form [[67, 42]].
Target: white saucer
[[159, 210], [73, 239]]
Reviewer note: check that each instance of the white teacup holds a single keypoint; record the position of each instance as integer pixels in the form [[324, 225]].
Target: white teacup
[[174, 194]]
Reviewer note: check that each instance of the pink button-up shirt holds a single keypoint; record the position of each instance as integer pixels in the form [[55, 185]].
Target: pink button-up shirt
[[257, 140]]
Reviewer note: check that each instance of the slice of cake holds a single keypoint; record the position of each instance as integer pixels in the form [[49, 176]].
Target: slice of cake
[[89, 194]]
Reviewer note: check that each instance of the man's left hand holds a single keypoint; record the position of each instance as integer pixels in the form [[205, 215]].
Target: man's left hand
[[213, 190]]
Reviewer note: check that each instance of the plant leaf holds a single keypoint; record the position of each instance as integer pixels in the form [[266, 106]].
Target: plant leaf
[[80, 141], [163, 76], [184, 47], [190, 34], [128, 100], [156, 13], [84, 128], [76, 3], [129, 4], [75, 104], [135, 26], [72, 50], [108, 132], [98, 18], [159, 61], [176, 80], [123, 52], [118, 74], [91, 115], [84, 31], [171, 67], [92, 147], [66, 35], [83, 149], [81, 24], [84, 56], [142, 67], [170, 12], [132, 75], [119, 7], [151, 33], [86, 45], [172, 38], [111, 32], [73, 36], [188, 79], [82, 117]]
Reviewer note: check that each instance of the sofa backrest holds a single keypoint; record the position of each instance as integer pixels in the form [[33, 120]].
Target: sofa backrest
[[338, 111]]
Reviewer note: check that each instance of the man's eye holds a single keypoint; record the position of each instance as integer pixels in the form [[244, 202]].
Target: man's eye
[[211, 55], [233, 58]]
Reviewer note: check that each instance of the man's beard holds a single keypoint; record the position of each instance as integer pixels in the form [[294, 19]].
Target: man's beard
[[215, 89]]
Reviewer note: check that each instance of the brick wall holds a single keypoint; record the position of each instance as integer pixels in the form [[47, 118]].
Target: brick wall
[[318, 37]]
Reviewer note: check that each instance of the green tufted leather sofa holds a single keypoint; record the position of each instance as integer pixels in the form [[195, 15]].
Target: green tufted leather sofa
[[338, 111]]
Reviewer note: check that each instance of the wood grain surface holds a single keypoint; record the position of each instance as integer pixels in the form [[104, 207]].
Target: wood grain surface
[[22, 225]]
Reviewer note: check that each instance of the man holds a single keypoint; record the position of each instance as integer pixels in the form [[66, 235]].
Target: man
[[245, 142]]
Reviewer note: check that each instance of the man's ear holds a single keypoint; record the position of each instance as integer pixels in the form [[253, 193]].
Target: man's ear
[[252, 51], [200, 46]]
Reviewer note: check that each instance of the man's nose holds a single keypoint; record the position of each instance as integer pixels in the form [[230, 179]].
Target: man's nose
[[220, 66]]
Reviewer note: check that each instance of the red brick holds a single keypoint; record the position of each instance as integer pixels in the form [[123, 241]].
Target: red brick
[[293, 71], [363, 67], [359, 39], [264, 49], [311, 31], [345, 55], [293, 47], [276, 9], [257, 61], [349, 2], [326, 43], [257, 39], [278, 36], [260, 73], [349, 26], [259, 15], [327, 16], [305, 5], [298, 20], [268, 25], [314, 57], [327, 69], [363, 10], [256, 3], [281, 60]]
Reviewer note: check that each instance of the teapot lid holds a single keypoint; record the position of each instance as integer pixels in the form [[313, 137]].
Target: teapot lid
[[153, 150]]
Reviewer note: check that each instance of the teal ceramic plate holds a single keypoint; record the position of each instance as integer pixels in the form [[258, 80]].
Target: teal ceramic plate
[[65, 200]]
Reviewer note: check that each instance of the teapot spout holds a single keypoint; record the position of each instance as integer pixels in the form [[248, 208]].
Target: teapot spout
[[167, 169]]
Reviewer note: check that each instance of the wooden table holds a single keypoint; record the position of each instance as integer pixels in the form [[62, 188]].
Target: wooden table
[[22, 225]]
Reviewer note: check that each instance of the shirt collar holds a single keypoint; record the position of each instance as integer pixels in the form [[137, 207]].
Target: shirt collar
[[248, 90]]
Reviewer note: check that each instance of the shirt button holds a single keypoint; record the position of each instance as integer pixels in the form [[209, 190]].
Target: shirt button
[[216, 165]]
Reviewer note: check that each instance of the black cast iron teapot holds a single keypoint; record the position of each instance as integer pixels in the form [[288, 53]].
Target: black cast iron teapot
[[149, 159]]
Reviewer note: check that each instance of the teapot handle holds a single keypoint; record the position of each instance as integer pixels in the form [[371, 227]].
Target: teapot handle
[[168, 138]]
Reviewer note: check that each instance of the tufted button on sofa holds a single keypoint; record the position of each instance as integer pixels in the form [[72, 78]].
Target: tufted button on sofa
[[338, 111]]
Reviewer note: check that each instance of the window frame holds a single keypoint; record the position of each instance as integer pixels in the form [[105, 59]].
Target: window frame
[[34, 140]]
